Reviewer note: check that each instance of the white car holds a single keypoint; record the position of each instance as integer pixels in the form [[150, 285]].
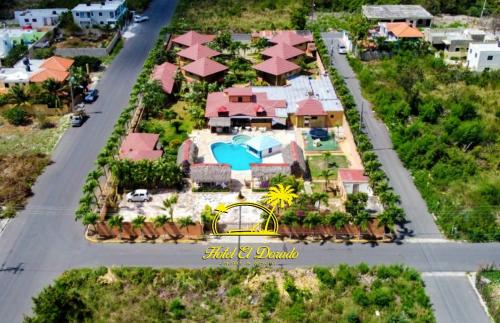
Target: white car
[[341, 48], [139, 19], [139, 196]]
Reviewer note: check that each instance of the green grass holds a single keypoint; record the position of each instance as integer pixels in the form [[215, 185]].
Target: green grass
[[491, 292], [326, 145], [340, 294], [116, 50], [318, 163]]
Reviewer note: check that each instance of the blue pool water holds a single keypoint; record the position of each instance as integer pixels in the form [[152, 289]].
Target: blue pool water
[[235, 155]]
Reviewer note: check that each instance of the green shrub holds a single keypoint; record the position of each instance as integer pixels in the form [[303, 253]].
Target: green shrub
[[16, 116], [93, 62], [177, 309], [271, 298], [244, 314]]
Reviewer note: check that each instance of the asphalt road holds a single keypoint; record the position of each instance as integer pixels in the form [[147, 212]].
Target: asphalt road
[[420, 222], [45, 234], [44, 240]]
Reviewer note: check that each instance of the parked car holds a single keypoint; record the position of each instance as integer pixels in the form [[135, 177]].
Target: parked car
[[140, 195], [139, 19], [91, 96], [341, 48], [78, 117]]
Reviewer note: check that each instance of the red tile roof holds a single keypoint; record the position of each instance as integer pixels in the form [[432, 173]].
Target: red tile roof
[[282, 50], [352, 175], [238, 91], [276, 66], [165, 73], [45, 74], [403, 30], [187, 148], [310, 107], [219, 102], [198, 51], [192, 37], [140, 146], [204, 67], [57, 63], [289, 37]]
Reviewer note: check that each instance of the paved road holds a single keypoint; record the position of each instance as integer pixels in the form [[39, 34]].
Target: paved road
[[421, 223], [44, 240], [45, 235], [447, 294]]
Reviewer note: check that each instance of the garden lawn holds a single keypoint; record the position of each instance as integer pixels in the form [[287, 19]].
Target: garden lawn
[[340, 294], [318, 164]]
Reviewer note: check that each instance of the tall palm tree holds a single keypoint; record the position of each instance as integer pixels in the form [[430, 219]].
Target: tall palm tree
[[116, 221], [326, 174], [138, 223], [386, 219], [89, 188], [91, 218], [244, 47], [320, 197], [54, 90], [339, 219], [19, 96], [185, 222], [278, 196], [361, 220], [160, 221], [168, 204]]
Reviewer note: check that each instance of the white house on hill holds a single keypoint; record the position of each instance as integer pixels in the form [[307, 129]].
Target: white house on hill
[[103, 13], [483, 56]]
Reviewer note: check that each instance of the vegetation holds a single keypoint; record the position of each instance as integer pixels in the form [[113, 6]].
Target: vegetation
[[339, 294], [444, 125], [488, 284], [93, 62], [319, 164], [16, 53], [238, 16]]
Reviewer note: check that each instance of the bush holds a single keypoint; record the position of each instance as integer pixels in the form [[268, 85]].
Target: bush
[[93, 62], [43, 53], [16, 116]]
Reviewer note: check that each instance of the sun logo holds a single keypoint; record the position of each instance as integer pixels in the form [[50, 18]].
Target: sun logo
[[277, 196]]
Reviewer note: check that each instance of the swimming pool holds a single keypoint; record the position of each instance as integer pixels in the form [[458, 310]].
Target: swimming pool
[[241, 139], [233, 154]]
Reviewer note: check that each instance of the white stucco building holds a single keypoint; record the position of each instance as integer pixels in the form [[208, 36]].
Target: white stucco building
[[483, 56], [104, 13], [38, 18], [352, 181], [5, 43]]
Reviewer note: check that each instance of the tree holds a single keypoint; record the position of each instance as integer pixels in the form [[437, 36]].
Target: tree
[[19, 96], [185, 222], [319, 197], [207, 216], [168, 204], [326, 174], [299, 18], [116, 221], [176, 124], [313, 219], [339, 219], [362, 219], [138, 223], [159, 221], [356, 206], [16, 116], [260, 44], [68, 23], [90, 218], [53, 91], [154, 98]]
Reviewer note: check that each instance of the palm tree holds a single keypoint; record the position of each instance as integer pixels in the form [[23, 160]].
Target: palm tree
[[326, 174], [19, 96], [326, 157], [388, 197], [339, 219], [386, 219], [278, 196], [313, 219], [244, 47], [185, 222], [138, 223], [54, 90], [116, 221], [320, 197], [361, 220], [168, 204], [160, 221], [89, 188], [90, 218]]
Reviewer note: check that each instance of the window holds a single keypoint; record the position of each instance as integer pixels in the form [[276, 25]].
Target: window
[[112, 14], [332, 116], [314, 118], [457, 49], [54, 12], [34, 19], [100, 14], [270, 150], [77, 14], [26, 20], [7, 85], [101, 22], [489, 58], [240, 99], [475, 55]]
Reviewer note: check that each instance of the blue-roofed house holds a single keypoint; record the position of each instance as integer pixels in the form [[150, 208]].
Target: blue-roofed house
[[263, 146]]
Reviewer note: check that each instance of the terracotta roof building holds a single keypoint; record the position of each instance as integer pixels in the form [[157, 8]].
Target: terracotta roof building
[[399, 30], [187, 155], [140, 146], [211, 174], [291, 38], [165, 74], [352, 181], [55, 67], [192, 38], [240, 107], [196, 52], [276, 70], [205, 69], [282, 50]]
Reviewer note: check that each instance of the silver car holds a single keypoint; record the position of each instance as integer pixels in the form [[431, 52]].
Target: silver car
[[139, 196]]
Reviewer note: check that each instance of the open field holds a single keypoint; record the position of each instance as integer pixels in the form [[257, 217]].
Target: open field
[[352, 294], [319, 163]]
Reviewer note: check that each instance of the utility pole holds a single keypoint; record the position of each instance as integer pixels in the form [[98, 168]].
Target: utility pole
[[482, 11], [361, 115], [71, 81]]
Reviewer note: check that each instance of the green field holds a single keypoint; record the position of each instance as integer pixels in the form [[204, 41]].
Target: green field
[[318, 163], [340, 294]]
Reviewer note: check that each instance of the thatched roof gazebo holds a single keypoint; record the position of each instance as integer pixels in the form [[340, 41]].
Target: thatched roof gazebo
[[264, 172], [293, 155], [211, 174], [187, 155]]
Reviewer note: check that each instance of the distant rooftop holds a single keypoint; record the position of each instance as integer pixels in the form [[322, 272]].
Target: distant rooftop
[[395, 12], [104, 5], [300, 88], [494, 47]]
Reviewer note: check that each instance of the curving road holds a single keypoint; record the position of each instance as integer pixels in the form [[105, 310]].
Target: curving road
[[44, 240]]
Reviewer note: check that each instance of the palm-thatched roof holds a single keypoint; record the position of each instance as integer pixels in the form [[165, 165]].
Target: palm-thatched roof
[[293, 155], [266, 171], [210, 173], [188, 152]]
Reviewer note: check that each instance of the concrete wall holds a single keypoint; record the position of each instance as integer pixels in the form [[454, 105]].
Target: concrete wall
[[94, 52]]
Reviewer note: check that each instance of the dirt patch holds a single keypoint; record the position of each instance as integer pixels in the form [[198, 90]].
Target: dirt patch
[[303, 279]]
